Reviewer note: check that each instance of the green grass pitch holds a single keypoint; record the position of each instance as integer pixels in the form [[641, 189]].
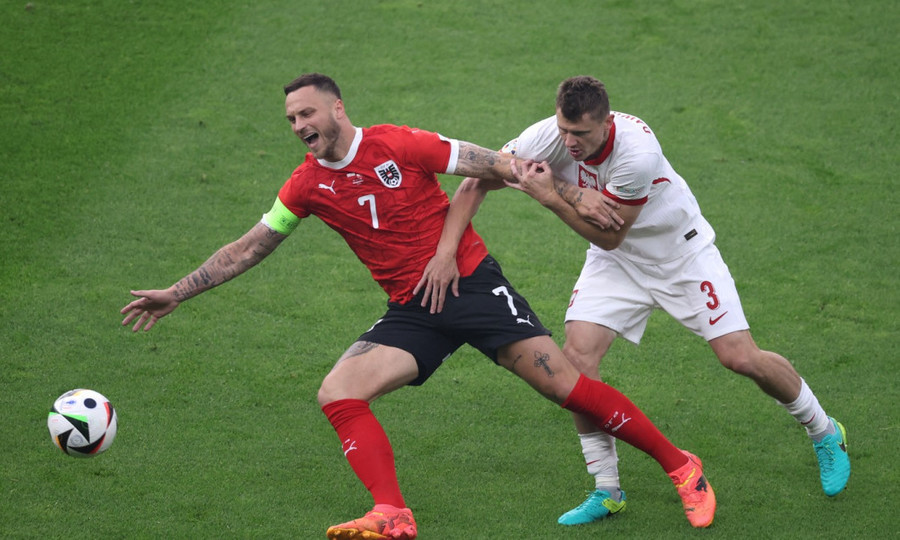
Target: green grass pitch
[[137, 137]]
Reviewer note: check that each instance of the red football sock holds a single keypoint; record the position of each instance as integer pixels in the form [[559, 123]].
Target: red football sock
[[617, 415], [366, 448]]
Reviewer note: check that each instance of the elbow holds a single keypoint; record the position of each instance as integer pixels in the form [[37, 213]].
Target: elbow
[[607, 242], [606, 245]]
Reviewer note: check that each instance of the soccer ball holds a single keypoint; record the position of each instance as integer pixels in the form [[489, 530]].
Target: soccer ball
[[82, 423]]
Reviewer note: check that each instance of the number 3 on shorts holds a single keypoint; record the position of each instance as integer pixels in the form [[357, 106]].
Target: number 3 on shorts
[[710, 291]]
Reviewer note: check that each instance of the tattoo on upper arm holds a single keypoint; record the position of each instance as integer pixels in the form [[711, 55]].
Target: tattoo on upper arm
[[266, 245], [273, 235], [476, 161], [263, 250]]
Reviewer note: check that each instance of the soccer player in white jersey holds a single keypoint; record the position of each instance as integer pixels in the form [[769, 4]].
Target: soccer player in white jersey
[[660, 255]]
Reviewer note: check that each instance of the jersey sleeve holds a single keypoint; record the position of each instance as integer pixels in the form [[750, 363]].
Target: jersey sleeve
[[433, 152], [630, 183]]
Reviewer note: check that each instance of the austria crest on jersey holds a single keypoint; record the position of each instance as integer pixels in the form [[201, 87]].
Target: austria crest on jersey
[[389, 174]]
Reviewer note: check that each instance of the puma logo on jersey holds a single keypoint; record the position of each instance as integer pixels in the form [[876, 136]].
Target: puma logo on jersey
[[389, 174], [526, 320], [329, 188]]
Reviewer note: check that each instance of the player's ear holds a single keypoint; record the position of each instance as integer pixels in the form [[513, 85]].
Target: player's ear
[[339, 111]]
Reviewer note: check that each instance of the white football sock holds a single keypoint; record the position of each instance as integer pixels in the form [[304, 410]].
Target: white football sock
[[809, 413], [599, 449]]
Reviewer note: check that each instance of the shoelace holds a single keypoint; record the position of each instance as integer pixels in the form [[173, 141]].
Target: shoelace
[[589, 502], [825, 455]]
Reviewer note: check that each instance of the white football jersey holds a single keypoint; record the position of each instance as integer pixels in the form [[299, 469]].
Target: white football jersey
[[632, 170]]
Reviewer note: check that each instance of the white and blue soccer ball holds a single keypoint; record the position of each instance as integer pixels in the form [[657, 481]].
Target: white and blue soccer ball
[[82, 423]]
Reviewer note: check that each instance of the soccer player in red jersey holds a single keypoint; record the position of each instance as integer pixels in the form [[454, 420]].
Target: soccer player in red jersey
[[377, 187]]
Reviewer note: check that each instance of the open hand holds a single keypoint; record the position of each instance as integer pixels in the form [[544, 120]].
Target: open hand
[[150, 307], [440, 273]]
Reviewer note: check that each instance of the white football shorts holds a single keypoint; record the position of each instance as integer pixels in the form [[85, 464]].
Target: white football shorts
[[697, 290]]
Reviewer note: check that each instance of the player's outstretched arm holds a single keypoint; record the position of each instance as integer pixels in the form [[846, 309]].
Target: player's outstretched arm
[[227, 263], [149, 307]]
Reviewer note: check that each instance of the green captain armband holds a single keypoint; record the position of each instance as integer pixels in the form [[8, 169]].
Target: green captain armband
[[280, 219]]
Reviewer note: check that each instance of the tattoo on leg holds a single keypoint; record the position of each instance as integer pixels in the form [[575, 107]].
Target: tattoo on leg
[[541, 361], [516, 361], [360, 347]]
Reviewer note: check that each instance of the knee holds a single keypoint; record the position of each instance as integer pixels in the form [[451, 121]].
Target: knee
[[323, 397], [555, 381], [585, 360], [561, 387], [328, 392], [742, 360], [737, 363], [738, 352]]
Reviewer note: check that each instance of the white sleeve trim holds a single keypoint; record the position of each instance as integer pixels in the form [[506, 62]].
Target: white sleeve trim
[[454, 155]]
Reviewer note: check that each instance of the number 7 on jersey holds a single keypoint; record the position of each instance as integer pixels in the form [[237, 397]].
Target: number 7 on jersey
[[371, 200]]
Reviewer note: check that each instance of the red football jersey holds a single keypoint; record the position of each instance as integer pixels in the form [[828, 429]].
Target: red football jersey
[[384, 198]]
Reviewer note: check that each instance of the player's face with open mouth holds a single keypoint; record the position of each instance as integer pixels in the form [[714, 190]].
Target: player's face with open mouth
[[312, 117], [585, 138]]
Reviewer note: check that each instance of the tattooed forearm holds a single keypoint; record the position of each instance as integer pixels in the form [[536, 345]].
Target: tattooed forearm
[[229, 262], [216, 270], [567, 192]]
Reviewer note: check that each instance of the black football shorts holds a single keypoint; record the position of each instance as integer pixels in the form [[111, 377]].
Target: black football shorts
[[487, 314]]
